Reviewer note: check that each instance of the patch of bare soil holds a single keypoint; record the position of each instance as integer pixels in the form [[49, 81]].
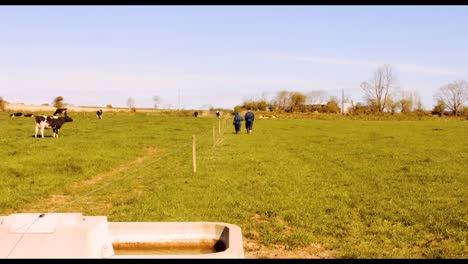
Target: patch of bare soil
[[56, 200], [253, 249]]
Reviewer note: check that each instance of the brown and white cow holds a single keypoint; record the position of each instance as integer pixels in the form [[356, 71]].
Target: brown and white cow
[[50, 122]]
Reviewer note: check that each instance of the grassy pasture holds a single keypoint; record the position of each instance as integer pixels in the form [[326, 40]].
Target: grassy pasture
[[360, 189]]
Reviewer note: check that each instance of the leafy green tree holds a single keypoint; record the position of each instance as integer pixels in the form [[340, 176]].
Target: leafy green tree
[[2, 104], [250, 104], [58, 102], [439, 108], [406, 105], [297, 101], [332, 106], [262, 105]]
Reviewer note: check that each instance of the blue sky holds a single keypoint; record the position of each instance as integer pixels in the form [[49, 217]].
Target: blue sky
[[220, 55]]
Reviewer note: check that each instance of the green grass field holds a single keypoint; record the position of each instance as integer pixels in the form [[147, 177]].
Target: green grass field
[[360, 189]]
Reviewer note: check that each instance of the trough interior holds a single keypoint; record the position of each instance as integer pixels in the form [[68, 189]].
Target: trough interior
[[168, 238], [205, 246]]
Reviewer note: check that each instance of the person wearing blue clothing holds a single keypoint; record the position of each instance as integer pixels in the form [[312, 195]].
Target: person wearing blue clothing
[[237, 122], [249, 119]]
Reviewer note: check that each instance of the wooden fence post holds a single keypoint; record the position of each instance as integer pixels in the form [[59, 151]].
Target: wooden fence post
[[219, 126], [194, 156], [214, 139]]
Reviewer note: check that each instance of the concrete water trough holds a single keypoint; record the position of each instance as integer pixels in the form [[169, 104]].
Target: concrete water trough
[[72, 235]]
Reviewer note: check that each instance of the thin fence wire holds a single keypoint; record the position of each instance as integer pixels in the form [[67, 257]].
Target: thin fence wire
[[200, 143]]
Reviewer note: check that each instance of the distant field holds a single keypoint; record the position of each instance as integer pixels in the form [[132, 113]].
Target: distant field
[[297, 187], [49, 109]]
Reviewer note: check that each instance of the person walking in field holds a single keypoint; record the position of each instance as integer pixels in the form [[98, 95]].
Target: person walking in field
[[249, 119], [237, 122]]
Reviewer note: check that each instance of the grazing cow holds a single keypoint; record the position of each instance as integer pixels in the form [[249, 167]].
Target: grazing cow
[[218, 114], [99, 114], [48, 122], [16, 114], [60, 111], [28, 115], [195, 114]]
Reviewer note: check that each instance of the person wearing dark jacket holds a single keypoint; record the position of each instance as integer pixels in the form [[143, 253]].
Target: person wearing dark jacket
[[249, 119], [237, 122]]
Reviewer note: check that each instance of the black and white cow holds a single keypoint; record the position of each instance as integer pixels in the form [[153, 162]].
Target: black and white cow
[[99, 114], [60, 111], [50, 122], [16, 114]]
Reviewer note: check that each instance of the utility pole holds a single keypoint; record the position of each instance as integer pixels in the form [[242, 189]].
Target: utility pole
[[194, 156]]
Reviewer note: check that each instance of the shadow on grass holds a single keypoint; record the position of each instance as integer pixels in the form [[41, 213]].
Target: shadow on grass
[[45, 136]]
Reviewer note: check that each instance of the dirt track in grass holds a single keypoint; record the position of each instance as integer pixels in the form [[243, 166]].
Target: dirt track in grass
[[58, 200]]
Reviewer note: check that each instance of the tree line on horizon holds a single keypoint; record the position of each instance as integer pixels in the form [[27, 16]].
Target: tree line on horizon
[[381, 95]]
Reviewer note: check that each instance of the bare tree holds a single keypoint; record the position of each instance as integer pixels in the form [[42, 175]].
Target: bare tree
[[130, 102], [417, 103], [264, 96], [156, 101], [283, 100], [392, 104], [316, 96], [380, 86], [454, 95]]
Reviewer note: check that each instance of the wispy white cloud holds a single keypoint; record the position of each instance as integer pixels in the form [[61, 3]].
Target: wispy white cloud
[[332, 61], [100, 87], [400, 66], [429, 70], [103, 84]]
